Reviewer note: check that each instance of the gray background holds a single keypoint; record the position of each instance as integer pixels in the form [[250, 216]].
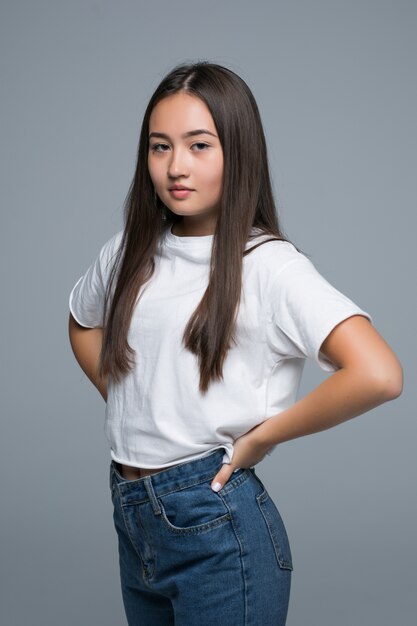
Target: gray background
[[335, 84]]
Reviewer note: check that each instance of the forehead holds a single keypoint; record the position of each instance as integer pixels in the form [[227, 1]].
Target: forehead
[[180, 112]]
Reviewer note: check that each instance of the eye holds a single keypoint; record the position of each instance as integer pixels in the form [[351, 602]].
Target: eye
[[155, 146], [204, 145], [159, 147]]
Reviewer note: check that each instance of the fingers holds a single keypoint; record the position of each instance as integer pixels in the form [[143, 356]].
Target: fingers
[[223, 476]]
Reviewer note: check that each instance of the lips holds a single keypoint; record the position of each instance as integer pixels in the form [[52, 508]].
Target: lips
[[180, 192], [179, 187]]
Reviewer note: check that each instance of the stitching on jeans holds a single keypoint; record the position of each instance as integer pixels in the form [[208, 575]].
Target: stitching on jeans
[[263, 498], [232, 484], [127, 526], [194, 530], [221, 492], [132, 500], [154, 501], [207, 525]]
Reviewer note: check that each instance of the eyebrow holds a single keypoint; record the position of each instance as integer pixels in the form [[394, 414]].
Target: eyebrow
[[191, 133]]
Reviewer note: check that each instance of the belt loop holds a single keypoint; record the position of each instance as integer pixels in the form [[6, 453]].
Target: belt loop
[[111, 472], [147, 481]]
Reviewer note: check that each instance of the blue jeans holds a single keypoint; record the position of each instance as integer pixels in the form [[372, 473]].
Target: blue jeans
[[192, 557]]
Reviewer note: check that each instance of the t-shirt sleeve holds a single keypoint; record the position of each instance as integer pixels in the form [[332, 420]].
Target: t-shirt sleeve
[[86, 300], [306, 308]]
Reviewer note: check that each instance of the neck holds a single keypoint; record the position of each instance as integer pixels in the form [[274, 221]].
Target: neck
[[194, 228]]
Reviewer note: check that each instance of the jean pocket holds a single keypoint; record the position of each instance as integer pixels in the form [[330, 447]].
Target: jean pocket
[[194, 509], [276, 529]]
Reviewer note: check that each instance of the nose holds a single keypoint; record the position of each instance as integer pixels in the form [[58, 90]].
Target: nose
[[178, 164]]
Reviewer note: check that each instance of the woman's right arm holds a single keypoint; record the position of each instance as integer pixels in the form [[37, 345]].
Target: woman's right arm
[[86, 345]]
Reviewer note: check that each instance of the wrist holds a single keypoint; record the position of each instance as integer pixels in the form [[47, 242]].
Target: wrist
[[267, 433]]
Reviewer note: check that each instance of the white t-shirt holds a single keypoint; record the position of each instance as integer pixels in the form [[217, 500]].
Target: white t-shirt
[[157, 417]]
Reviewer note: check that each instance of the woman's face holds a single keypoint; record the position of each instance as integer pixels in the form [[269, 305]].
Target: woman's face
[[184, 149]]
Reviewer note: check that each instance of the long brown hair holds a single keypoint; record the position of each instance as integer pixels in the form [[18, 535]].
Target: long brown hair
[[247, 201]]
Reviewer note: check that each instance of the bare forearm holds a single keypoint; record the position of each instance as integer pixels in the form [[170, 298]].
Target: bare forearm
[[342, 396], [86, 344]]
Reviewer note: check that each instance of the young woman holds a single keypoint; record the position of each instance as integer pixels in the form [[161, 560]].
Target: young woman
[[194, 323]]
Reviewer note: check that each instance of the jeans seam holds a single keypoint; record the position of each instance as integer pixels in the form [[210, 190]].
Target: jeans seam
[[242, 567], [282, 561], [127, 526], [208, 477], [233, 483]]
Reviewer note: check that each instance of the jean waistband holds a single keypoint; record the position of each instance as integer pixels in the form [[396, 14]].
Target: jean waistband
[[173, 478]]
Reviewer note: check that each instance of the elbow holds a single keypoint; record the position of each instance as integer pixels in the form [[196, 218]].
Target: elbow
[[391, 382]]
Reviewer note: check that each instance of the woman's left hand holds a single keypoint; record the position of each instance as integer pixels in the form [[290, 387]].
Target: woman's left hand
[[248, 450]]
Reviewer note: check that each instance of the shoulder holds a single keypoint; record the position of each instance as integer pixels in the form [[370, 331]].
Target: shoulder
[[110, 247], [276, 256], [113, 242]]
